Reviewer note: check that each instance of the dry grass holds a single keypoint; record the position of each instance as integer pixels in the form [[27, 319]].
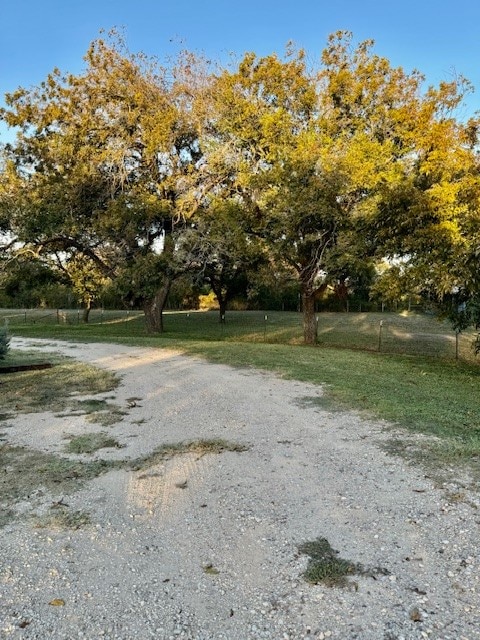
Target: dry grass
[[200, 447], [51, 389], [25, 471], [61, 517], [90, 442]]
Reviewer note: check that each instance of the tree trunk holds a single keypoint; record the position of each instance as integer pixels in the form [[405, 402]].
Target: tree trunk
[[309, 320], [341, 292], [86, 310], [222, 301], [153, 309]]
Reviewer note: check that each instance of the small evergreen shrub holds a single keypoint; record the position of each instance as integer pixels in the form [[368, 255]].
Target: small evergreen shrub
[[4, 342]]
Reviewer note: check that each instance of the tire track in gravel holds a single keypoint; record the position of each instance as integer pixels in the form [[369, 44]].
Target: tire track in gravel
[[161, 490]]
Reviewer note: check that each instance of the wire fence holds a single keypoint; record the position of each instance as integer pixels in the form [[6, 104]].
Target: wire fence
[[390, 333], [63, 316]]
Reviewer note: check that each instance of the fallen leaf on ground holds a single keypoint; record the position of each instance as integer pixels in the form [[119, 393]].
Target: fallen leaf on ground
[[57, 602]]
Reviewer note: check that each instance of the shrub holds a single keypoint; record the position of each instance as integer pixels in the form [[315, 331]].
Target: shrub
[[4, 342], [208, 302]]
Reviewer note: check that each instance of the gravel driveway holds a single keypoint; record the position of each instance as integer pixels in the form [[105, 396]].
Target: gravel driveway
[[206, 547]]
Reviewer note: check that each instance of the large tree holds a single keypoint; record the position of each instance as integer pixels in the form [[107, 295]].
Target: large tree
[[428, 224], [312, 152], [101, 171], [218, 251]]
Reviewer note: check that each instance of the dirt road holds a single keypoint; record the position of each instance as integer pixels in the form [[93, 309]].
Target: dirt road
[[206, 546]]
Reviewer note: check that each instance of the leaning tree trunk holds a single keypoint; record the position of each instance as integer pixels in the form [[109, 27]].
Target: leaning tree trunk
[[153, 309]]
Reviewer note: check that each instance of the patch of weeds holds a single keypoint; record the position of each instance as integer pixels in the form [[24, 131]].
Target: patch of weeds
[[324, 565], [201, 447], [98, 411], [216, 445], [4, 341], [456, 496], [20, 356], [139, 422], [69, 414], [210, 570], [107, 418], [319, 402], [51, 389], [404, 447], [25, 470], [90, 405], [91, 442], [442, 459], [6, 516], [63, 518], [457, 451]]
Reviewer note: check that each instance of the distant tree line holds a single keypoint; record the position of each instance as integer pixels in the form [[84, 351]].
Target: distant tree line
[[265, 181]]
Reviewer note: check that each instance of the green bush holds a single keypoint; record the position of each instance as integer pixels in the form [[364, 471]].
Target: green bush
[[4, 342]]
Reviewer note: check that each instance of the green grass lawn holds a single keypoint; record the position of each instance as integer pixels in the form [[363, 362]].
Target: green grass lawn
[[406, 333], [431, 394]]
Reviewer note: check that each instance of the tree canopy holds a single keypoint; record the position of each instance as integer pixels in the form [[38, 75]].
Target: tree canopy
[[133, 173]]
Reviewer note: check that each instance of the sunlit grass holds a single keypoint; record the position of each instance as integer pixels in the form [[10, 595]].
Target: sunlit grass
[[409, 333]]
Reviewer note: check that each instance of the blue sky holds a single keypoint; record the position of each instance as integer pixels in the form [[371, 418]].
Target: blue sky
[[438, 37]]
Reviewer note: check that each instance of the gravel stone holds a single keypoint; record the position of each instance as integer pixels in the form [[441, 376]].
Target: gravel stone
[[138, 570]]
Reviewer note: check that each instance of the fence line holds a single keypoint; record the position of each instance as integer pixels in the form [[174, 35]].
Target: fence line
[[390, 333]]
